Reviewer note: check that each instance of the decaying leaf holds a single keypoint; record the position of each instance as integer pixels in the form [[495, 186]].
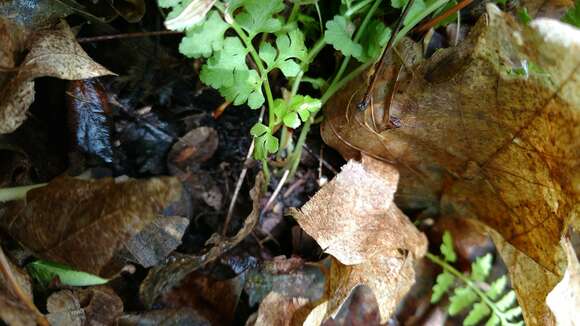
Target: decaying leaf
[[214, 299], [277, 309], [12, 310], [162, 278], [488, 130], [93, 306], [182, 316], [54, 53], [551, 9], [83, 223], [354, 219], [154, 243]]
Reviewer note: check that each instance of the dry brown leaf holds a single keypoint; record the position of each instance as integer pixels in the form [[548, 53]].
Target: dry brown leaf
[[162, 278], [83, 223], [277, 309], [354, 219], [12, 310], [495, 143], [96, 306], [53, 53], [156, 241]]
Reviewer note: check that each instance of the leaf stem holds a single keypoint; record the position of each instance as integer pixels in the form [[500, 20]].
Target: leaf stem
[[469, 283], [254, 54], [16, 193]]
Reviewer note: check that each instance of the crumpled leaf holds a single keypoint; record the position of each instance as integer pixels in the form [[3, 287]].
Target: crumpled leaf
[[83, 223], [53, 53], [490, 144], [12, 310], [354, 219], [156, 241], [277, 309], [164, 277], [214, 299], [93, 306]]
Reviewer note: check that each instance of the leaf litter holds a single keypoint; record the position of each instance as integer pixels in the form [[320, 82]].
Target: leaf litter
[[462, 146], [494, 145]]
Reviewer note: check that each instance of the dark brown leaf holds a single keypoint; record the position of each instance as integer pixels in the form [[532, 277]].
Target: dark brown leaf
[[83, 223], [162, 278], [215, 300], [152, 245]]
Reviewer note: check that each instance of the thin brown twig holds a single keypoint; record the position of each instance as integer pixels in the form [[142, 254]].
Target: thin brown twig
[[17, 290], [276, 191], [240, 180], [433, 22], [364, 103], [124, 36]]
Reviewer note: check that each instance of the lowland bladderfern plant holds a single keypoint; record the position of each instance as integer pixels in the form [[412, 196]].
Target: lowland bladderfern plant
[[244, 41], [485, 300]]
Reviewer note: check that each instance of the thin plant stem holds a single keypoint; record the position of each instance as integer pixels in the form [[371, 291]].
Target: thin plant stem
[[16, 193], [468, 282]]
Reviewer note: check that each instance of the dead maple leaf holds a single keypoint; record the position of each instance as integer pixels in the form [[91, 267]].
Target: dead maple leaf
[[53, 53], [354, 219], [162, 278], [83, 223], [488, 130]]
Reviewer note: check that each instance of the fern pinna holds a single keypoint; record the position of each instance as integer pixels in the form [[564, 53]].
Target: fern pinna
[[485, 300]]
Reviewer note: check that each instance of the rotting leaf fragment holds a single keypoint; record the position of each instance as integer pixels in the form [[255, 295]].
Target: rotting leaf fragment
[[83, 223]]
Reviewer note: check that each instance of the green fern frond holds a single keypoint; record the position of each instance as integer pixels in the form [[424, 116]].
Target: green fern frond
[[476, 294]]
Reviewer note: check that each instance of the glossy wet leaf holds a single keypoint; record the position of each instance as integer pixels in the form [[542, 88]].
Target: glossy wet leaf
[[84, 223]]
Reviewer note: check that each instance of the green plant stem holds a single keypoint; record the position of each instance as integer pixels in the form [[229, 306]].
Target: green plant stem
[[16, 193], [335, 85], [294, 12], [416, 19], [356, 8], [254, 54], [357, 36], [464, 279]]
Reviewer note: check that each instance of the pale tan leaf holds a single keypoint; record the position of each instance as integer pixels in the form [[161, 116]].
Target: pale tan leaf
[[354, 219], [276, 309]]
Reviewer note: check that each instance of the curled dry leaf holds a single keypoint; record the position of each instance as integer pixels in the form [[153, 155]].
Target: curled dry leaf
[[93, 306], [53, 53], [277, 309], [83, 223], [164, 277], [491, 129], [12, 310], [354, 219]]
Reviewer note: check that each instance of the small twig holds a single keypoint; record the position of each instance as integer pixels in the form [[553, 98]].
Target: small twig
[[324, 162], [364, 103], [220, 110], [433, 22], [17, 290], [124, 36], [277, 191], [241, 179]]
